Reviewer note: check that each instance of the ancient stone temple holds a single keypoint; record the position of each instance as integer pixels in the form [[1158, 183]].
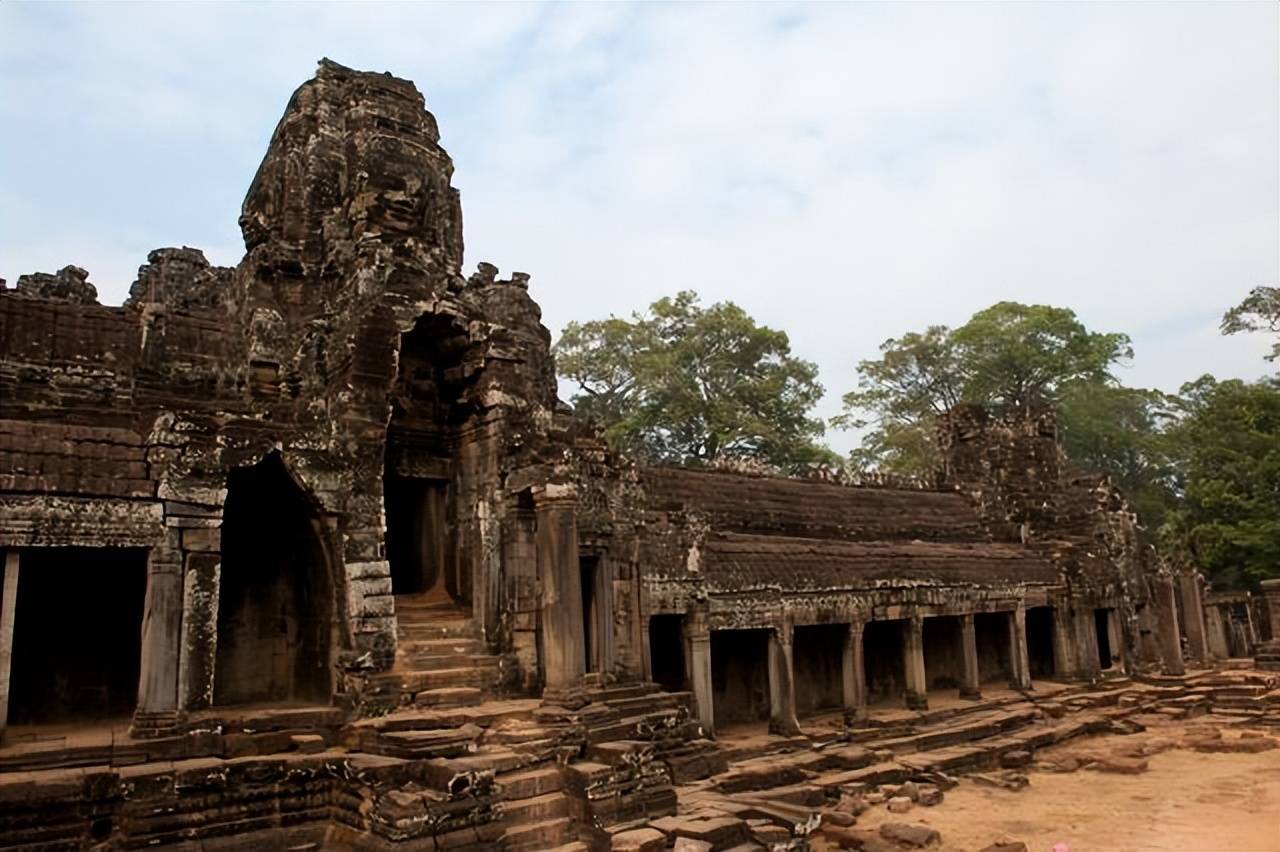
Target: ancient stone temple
[[306, 553]]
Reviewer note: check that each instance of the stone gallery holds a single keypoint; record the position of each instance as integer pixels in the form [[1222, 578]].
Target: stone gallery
[[306, 553]]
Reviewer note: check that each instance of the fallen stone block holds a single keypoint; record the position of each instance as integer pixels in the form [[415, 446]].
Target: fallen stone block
[[1251, 745], [770, 834], [1118, 765], [1015, 759], [899, 805], [1007, 780], [687, 844], [841, 818], [1006, 846], [910, 834], [639, 840], [929, 795]]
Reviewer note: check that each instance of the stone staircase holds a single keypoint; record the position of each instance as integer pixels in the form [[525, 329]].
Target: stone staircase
[[441, 658]]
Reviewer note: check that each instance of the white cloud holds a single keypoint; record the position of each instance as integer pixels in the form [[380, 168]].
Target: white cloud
[[844, 171]]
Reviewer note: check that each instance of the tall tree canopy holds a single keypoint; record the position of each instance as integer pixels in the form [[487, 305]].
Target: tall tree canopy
[[1225, 446], [1260, 311], [1008, 356], [685, 384]]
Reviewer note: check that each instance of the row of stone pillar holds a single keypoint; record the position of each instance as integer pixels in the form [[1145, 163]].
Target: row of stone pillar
[[781, 663]]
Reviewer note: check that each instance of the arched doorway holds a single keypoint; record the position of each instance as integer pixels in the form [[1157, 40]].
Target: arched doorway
[[426, 477], [275, 596]]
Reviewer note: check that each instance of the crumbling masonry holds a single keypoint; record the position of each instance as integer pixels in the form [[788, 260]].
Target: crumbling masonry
[[317, 530]]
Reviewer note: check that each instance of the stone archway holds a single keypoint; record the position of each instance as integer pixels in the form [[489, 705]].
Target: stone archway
[[276, 592]]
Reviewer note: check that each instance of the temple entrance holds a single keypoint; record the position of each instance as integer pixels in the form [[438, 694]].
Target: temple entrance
[[275, 599], [995, 657], [419, 539], [425, 477], [818, 661], [1040, 642], [1102, 627], [882, 653], [666, 652], [943, 653], [740, 676], [77, 635]]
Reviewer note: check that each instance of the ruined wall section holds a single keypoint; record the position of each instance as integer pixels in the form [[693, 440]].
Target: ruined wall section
[[1014, 472], [754, 550]]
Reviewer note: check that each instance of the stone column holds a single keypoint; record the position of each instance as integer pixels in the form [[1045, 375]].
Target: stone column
[[1165, 603], [158, 708], [971, 686], [8, 611], [1193, 617], [917, 691], [1216, 632], [1089, 667], [782, 687], [1271, 594], [1018, 656], [697, 639], [563, 646], [1064, 658], [855, 675]]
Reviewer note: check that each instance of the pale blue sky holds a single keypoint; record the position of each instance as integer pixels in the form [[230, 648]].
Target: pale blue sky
[[844, 172]]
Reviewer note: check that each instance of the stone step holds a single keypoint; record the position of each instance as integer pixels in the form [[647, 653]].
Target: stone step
[[530, 783], [547, 806], [416, 631], [449, 696], [448, 645], [455, 742], [439, 662], [651, 701], [870, 776], [417, 681], [947, 735], [537, 836]]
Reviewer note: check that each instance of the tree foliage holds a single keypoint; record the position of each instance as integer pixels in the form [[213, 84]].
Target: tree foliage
[[689, 385], [1006, 357], [1225, 449], [1260, 311], [1119, 431]]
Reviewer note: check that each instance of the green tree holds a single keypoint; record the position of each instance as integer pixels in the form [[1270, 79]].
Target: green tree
[[1016, 356], [1260, 311], [689, 385], [1225, 445], [1009, 356], [1118, 431]]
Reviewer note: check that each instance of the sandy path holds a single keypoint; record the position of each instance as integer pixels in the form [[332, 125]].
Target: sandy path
[[1187, 801]]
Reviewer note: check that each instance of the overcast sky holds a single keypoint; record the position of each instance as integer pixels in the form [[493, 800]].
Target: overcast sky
[[844, 172]]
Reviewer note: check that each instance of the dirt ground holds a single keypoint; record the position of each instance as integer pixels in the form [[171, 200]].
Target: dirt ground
[[1186, 801]]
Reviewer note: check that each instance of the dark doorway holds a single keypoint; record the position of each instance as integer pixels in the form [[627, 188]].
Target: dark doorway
[[882, 651], [1102, 627], [588, 569], [77, 637], [943, 652], [275, 601], [419, 540], [1040, 641], [818, 660], [740, 676], [429, 480], [991, 636], [666, 652]]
